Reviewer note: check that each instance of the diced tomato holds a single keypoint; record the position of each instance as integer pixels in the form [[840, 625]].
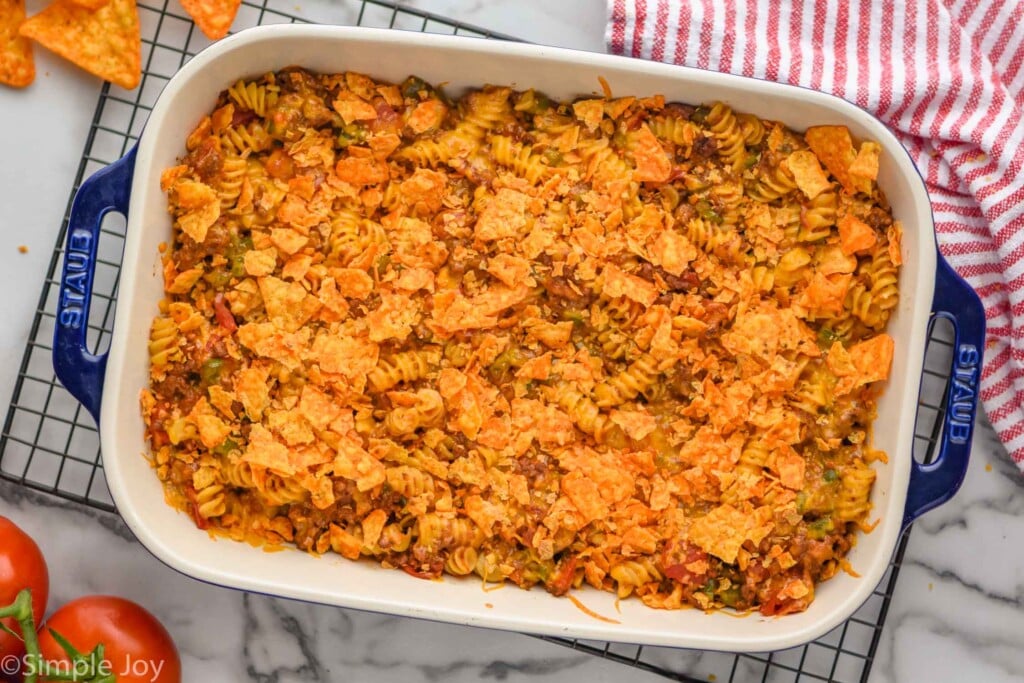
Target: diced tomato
[[242, 117], [776, 606], [387, 118], [420, 573], [678, 563], [159, 438], [223, 313], [634, 121], [193, 508], [563, 578], [279, 165]]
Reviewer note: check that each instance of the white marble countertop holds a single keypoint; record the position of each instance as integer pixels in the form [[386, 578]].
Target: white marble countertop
[[957, 612]]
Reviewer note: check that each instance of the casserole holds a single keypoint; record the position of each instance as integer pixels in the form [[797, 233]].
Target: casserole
[[902, 491]]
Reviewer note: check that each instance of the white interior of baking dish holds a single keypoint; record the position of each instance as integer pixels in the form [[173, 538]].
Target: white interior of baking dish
[[462, 63]]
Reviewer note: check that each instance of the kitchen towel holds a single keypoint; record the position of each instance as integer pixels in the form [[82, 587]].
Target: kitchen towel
[[947, 76]]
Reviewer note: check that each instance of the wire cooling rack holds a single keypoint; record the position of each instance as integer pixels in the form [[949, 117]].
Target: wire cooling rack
[[50, 443]]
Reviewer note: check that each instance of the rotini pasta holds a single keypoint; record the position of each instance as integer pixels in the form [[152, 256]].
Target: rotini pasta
[[612, 342]]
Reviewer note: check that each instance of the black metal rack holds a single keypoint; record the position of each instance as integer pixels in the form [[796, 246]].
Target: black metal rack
[[49, 442]]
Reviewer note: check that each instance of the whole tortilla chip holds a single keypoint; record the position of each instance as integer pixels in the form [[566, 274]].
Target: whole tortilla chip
[[213, 17], [105, 42], [16, 65], [91, 5]]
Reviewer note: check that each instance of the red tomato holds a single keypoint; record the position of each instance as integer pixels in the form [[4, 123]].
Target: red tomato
[[137, 646], [223, 313], [677, 560], [21, 566], [560, 583]]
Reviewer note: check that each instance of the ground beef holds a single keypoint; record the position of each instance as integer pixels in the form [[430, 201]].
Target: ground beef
[[190, 252]]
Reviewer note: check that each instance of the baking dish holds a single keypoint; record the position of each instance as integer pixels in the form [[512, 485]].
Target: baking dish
[[108, 385]]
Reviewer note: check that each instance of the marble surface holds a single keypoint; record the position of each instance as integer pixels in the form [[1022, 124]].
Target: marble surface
[[957, 612]]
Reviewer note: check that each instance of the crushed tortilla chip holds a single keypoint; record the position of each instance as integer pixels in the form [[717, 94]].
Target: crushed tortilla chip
[[637, 424], [536, 368], [552, 335], [289, 305], [201, 208], [511, 270], [353, 462], [183, 281], [826, 292], [590, 112], [222, 400], [427, 116], [412, 279], [353, 282], [722, 531], [617, 107], [269, 341], [585, 496], [895, 237], [618, 283], [873, 358], [212, 429], [855, 235], [373, 525], [393, 319], [105, 43], [831, 260], [297, 266], [791, 470], [251, 388], [673, 252], [359, 172], [864, 168], [260, 262], [317, 407], [807, 173], [266, 451], [505, 216], [834, 148], [344, 543], [297, 213], [353, 108], [17, 68], [652, 161], [287, 240]]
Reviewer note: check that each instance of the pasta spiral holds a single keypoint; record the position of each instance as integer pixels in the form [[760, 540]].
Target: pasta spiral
[[726, 129], [405, 367], [637, 379]]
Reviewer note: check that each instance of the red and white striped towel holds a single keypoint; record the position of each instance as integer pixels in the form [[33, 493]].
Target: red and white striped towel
[[946, 75]]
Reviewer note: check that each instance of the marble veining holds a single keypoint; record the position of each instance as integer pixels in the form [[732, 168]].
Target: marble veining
[[956, 613]]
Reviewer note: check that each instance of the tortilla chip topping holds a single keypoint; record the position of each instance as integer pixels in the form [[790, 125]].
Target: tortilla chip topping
[[620, 342]]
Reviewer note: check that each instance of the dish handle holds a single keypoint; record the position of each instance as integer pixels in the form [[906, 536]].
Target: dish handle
[[78, 369], [934, 483]]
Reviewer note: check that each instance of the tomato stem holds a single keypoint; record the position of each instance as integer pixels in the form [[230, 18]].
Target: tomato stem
[[84, 668], [21, 611]]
